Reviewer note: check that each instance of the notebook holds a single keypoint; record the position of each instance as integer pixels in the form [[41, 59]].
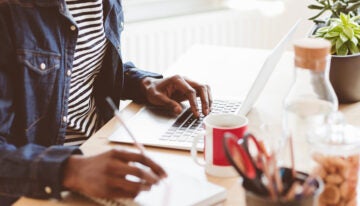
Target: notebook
[[153, 126], [178, 189]]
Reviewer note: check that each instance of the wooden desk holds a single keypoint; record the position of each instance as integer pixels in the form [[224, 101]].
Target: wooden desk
[[223, 69]]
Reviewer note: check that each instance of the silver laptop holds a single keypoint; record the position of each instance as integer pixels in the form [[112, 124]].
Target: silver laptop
[[156, 127]]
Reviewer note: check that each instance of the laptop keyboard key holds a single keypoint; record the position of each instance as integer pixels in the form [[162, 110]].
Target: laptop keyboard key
[[187, 126]]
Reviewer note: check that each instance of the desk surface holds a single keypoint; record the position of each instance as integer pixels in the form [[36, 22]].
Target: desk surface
[[223, 69]]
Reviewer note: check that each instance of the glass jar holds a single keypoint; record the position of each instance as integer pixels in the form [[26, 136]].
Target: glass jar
[[311, 97], [335, 150]]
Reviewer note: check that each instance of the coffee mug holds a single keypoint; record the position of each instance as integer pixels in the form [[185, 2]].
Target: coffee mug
[[215, 126]]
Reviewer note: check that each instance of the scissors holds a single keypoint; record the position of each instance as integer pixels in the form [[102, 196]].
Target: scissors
[[250, 159]]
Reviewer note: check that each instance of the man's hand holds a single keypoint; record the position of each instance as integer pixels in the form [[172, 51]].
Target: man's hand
[[170, 91], [107, 175]]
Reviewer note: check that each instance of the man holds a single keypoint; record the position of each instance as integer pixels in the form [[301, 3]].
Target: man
[[59, 60]]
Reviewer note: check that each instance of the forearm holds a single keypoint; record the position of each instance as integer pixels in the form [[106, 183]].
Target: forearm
[[33, 170]]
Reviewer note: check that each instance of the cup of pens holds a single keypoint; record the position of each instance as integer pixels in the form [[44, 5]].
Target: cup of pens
[[300, 190], [264, 182]]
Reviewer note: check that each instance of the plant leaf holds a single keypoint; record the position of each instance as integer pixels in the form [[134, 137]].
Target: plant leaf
[[349, 32], [331, 34], [353, 7], [322, 29], [344, 18], [343, 50], [313, 6], [353, 48], [338, 44], [354, 40], [333, 50], [343, 37], [317, 15]]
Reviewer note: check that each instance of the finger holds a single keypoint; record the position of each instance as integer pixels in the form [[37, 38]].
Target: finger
[[209, 96], [137, 157], [189, 92], [204, 93], [128, 185], [120, 170]]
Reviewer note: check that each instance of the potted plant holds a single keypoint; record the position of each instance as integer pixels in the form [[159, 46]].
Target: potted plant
[[342, 29]]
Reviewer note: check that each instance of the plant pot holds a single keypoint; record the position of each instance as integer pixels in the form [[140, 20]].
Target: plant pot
[[345, 77]]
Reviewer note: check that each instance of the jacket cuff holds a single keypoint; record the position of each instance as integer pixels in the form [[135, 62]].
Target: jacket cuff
[[132, 79], [49, 169]]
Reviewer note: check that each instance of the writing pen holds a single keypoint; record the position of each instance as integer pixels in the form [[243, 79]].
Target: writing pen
[[118, 117]]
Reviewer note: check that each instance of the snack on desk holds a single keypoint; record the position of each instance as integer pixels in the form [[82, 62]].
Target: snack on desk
[[336, 150], [340, 177]]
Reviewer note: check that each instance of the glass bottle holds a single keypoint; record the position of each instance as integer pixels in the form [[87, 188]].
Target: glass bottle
[[310, 99]]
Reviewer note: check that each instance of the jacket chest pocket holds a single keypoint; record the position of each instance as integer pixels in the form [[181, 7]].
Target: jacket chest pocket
[[38, 77], [41, 63]]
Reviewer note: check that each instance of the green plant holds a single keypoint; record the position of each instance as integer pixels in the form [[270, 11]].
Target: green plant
[[335, 7], [343, 33]]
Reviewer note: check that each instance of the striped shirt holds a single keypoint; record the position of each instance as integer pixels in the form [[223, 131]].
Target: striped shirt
[[89, 53]]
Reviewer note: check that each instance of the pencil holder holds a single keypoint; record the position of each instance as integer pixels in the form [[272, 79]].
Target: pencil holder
[[311, 199]]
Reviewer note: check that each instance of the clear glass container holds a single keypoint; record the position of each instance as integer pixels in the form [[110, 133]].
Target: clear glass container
[[335, 151], [311, 97]]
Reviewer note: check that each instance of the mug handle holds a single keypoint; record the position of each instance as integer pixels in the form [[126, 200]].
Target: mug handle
[[194, 151]]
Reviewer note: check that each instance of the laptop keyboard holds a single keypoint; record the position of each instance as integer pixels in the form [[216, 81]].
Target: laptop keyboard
[[187, 126]]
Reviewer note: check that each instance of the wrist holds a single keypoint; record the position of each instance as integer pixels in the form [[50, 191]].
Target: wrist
[[145, 85], [71, 173]]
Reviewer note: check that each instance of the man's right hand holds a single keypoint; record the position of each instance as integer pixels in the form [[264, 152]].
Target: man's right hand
[[104, 175]]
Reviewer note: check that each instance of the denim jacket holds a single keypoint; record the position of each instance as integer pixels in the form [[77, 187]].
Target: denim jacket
[[37, 44]]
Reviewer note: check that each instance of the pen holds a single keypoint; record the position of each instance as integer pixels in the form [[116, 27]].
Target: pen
[[292, 191], [308, 185], [118, 117], [270, 182]]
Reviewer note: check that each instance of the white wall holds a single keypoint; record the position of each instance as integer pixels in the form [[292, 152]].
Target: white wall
[[156, 44]]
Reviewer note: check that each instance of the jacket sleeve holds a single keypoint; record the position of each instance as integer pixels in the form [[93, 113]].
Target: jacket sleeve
[[29, 170], [32, 170], [132, 82]]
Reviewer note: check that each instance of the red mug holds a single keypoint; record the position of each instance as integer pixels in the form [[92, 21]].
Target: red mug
[[215, 125]]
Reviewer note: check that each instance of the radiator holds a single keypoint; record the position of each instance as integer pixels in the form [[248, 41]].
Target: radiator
[[154, 45]]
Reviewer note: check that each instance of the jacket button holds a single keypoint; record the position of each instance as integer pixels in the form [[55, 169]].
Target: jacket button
[[72, 28], [64, 119], [68, 73], [42, 66], [48, 190]]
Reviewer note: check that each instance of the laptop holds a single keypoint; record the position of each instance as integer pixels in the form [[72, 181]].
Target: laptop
[[156, 127]]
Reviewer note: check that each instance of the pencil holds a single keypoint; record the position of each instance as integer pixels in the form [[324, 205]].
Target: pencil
[[118, 117], [270, 181], [293, 171]]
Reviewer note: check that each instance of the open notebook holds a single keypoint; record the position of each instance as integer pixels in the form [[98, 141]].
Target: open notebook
[[177, 190]]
